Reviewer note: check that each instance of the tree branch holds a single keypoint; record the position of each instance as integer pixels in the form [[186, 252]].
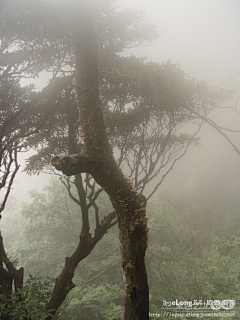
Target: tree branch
[[74, 164], [183, 105]]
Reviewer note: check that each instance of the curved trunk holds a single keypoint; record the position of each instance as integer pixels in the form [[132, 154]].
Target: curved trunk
[[98, 160]]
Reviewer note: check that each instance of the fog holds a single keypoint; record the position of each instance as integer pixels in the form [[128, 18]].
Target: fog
[[203, 37]]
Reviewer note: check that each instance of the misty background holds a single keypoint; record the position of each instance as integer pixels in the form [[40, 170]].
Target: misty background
[[194, 217], [204, 38]]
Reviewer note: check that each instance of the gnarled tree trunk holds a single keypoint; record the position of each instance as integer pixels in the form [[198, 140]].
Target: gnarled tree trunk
[[98, 161]]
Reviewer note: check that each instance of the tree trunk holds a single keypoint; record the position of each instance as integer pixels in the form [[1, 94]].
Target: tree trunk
[[7, 277], [64, 281], [98, 160]]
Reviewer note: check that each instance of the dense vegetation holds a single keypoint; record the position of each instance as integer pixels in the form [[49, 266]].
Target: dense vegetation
[[193, 253]]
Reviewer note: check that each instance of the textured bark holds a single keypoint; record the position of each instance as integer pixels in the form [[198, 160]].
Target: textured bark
[[6, 281], [98, 160], [9, 276], [72, 163], [133, 232]]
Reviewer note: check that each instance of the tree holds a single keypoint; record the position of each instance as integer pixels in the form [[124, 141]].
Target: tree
[[168, 111], [190, 249], [29, 70], [97, 159], [44, 240], [18, 126], [22, 119]]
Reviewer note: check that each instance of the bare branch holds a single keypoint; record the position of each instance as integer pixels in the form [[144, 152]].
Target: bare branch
[[10, 183], [173, 164], [183, 105]]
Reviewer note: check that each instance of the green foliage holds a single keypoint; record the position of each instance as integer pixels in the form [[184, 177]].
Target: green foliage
[[98, 301], [98, 292], [46, 239], [192, 254], [28, 302], [49, 231]]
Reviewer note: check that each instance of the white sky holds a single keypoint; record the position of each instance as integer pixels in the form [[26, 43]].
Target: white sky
[[202, 35]]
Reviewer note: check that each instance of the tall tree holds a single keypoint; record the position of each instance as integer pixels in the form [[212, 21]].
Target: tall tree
[[27, 66], [24, 62], [142, 125], [97, 159]]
